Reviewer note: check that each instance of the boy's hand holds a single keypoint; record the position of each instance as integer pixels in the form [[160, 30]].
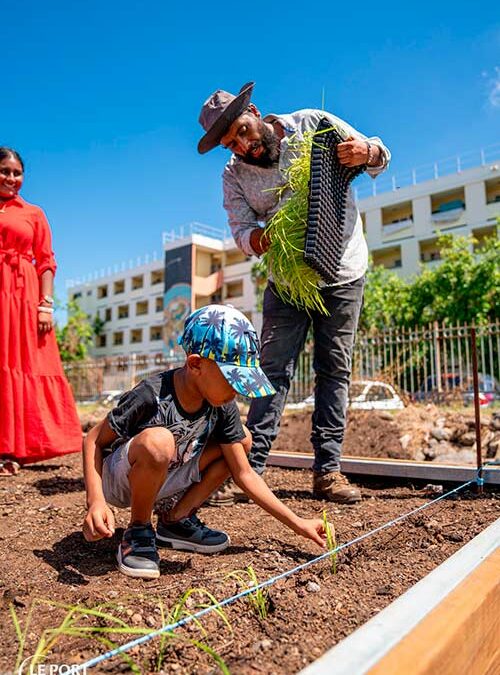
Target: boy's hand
[[99, 522], [312, 528]]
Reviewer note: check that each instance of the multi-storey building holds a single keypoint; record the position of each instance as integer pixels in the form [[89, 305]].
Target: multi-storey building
[[128, 304], [143, 308], [402, 225]]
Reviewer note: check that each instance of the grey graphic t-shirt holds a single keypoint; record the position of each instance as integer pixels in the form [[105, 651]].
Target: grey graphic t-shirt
[[153, 403]]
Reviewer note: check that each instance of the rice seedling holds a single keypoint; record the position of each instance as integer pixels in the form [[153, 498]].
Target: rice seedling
[[295, 281], [71, 627], [331, 541], [181, 611], [259, 599], [100, 625]]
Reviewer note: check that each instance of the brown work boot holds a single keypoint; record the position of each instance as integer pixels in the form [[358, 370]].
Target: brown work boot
[[335, 487], [228, 493]]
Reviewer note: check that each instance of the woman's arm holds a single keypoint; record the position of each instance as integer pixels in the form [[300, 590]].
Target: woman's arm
[[46, 316]]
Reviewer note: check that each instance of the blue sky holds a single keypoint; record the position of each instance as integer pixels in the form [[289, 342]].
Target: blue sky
[[102, 99]]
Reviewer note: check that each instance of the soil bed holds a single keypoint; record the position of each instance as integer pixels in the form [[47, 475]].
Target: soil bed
[[43, 555]]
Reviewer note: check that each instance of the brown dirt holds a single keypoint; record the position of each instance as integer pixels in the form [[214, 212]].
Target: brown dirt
[[43, 555], [367, 435], [402, 434]]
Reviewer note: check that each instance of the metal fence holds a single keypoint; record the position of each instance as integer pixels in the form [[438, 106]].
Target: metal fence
[[430, 363], [94, 379]]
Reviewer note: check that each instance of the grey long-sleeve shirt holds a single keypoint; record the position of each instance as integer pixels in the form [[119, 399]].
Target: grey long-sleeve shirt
[[249, 197]]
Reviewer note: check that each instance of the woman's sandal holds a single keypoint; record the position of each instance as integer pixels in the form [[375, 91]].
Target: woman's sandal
[[8, 467]]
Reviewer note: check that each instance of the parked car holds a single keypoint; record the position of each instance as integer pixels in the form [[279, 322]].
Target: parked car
[[374, 395], [489, 390], [110, 396], [428, 390], [363, 395]]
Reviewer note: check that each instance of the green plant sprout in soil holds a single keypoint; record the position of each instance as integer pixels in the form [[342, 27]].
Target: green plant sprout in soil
[[331, 541], [102, 625], [259, 599]]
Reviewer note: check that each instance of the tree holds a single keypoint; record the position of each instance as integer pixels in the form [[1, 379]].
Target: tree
[[463, 288], [259, 277], [75, 337]]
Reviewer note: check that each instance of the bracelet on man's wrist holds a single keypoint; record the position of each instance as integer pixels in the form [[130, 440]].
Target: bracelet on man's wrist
[[47, 310]]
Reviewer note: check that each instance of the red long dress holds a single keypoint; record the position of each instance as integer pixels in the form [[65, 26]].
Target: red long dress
[[38, 417]]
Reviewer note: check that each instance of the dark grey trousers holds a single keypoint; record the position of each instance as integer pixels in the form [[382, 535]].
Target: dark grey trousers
[[284, 332]]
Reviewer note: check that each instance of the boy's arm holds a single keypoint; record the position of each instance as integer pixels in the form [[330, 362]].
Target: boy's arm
[[256, 488], [99, 521]]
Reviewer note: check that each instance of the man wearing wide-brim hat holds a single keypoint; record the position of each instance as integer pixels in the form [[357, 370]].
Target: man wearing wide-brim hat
[[261, 150]]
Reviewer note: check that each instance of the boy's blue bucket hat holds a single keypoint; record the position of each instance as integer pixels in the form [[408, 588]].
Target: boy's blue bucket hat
[[225, 335]]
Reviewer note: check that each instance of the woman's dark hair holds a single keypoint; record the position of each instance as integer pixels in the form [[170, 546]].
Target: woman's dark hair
[[9, 152]]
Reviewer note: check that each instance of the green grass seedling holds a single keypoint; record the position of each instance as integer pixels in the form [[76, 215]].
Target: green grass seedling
[[331, 541], [70, 626], [180, 611], [100, 625], [259, 599]]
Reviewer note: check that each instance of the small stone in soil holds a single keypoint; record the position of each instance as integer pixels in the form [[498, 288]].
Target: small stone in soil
[[263, 645], [313, 587]]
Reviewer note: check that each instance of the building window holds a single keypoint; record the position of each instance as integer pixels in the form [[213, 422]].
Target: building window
[[89, 293], [136, 335], [493, 191], [107, 314], [119, 287], [102, 291], [118, 338], [482, 234], [235, 257], [141, 308], [123, 312], [137, 282], [155, 333], [100, 340], [234, 289], [157, 277], [429, 251], [159, 304], [389, 257], [75, 296]]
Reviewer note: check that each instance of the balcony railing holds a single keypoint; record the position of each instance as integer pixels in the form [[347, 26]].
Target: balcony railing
[[367, 187]]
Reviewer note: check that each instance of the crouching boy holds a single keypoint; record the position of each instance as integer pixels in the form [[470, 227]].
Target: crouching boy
[[174, 439]]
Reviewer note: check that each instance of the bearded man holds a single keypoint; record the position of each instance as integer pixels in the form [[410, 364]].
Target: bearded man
[[261, 149]]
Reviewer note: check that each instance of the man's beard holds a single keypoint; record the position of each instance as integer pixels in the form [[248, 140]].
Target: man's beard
[[271, 149]]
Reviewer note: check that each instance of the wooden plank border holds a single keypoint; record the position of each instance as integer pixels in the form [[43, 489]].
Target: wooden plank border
[[393, 468]]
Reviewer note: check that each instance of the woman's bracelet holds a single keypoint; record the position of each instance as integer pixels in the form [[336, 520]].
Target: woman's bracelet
[[48, 299], [49, 310]]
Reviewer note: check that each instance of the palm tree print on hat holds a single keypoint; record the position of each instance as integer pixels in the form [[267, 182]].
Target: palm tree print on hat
[[259, 379], [213, 318], [239, 328], [235, 377]]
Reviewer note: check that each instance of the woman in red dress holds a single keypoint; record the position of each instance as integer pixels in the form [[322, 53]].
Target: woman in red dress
[[38, 418]]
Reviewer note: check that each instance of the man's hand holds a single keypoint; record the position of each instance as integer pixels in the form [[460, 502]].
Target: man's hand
[[312, 528], [99, 522], [259, 241], [352, 152]]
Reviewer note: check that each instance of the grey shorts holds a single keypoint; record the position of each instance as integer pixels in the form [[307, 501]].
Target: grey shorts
[[116, 486]]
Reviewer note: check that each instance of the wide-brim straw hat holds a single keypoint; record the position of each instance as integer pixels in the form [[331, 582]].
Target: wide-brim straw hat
[[218, 113]]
